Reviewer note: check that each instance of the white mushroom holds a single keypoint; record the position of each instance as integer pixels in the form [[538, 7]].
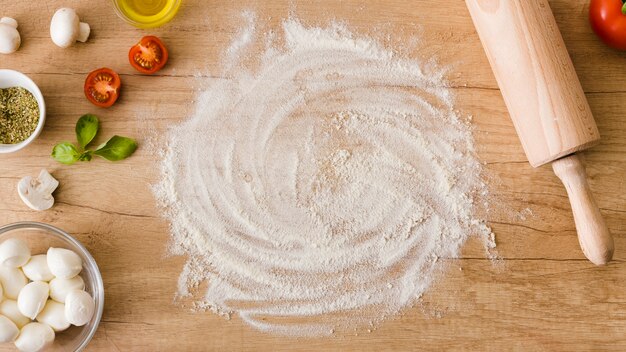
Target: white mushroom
[[9, 36], [66, 28], [37, 192]]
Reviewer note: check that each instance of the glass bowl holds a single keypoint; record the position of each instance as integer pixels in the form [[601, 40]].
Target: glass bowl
[[39, 238], [127, 11]]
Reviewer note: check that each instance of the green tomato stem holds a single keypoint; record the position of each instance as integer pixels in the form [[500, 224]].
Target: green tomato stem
[[624, 7]]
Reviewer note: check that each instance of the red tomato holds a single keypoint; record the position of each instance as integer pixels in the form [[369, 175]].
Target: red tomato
[[608, 20], [149, 55], [102, 87]]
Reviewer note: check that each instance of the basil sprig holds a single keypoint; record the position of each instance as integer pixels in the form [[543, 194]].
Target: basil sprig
[[116, 148], [86, 129]]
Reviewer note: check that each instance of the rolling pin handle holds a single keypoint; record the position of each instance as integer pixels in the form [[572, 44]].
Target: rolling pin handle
[[593, 234]]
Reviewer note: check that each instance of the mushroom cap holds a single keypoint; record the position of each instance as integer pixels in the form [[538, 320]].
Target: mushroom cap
[[10, 21], [9, 36], [64, 27]]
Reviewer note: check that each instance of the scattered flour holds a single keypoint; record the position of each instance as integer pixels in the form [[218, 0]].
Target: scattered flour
[[243, 39], [319, 191]]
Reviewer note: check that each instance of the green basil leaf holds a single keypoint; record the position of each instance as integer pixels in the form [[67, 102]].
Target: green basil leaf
[[85, 156], [86, 129], [117, 148], [65, 153]]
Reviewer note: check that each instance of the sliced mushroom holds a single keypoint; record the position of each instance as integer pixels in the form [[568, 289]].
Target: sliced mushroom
[[9, 36], [66, 28], [37, 192]]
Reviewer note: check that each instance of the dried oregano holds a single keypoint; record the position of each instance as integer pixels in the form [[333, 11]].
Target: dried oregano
[[19, 115]]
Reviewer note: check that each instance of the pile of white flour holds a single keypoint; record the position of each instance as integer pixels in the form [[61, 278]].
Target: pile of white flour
[[319, 190]]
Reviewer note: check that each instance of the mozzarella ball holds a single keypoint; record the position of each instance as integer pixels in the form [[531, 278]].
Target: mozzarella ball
[[59, 288], [79, 307], [37, 268], [53, 315], [9, 309], [32, 298], [64, 263], [34, 337], [14, 252], [12, 281], [8, 330]]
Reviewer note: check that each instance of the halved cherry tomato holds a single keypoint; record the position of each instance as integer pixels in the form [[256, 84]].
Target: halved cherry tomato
[[149, 55], [102, 87]]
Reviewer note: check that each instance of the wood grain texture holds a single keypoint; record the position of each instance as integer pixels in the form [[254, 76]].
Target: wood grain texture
[[543, 295]]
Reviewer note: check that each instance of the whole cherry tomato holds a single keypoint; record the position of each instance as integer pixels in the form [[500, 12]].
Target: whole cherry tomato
[[608, 20]]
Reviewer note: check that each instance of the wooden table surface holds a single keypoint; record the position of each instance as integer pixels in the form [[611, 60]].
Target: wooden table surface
[[542, 295]]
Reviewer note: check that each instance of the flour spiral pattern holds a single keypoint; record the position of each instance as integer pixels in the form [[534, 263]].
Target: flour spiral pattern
[[319, 190]]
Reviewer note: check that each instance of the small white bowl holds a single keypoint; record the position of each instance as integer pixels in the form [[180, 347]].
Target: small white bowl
[[11, 78]]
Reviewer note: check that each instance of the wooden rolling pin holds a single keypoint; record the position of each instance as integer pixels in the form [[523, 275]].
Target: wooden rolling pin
[[546, 102]]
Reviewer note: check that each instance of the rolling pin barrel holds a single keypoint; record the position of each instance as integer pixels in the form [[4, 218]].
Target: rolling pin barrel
[[545, 100]]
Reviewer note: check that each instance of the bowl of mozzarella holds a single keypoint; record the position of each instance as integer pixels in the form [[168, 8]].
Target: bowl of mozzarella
[[51, 290]]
